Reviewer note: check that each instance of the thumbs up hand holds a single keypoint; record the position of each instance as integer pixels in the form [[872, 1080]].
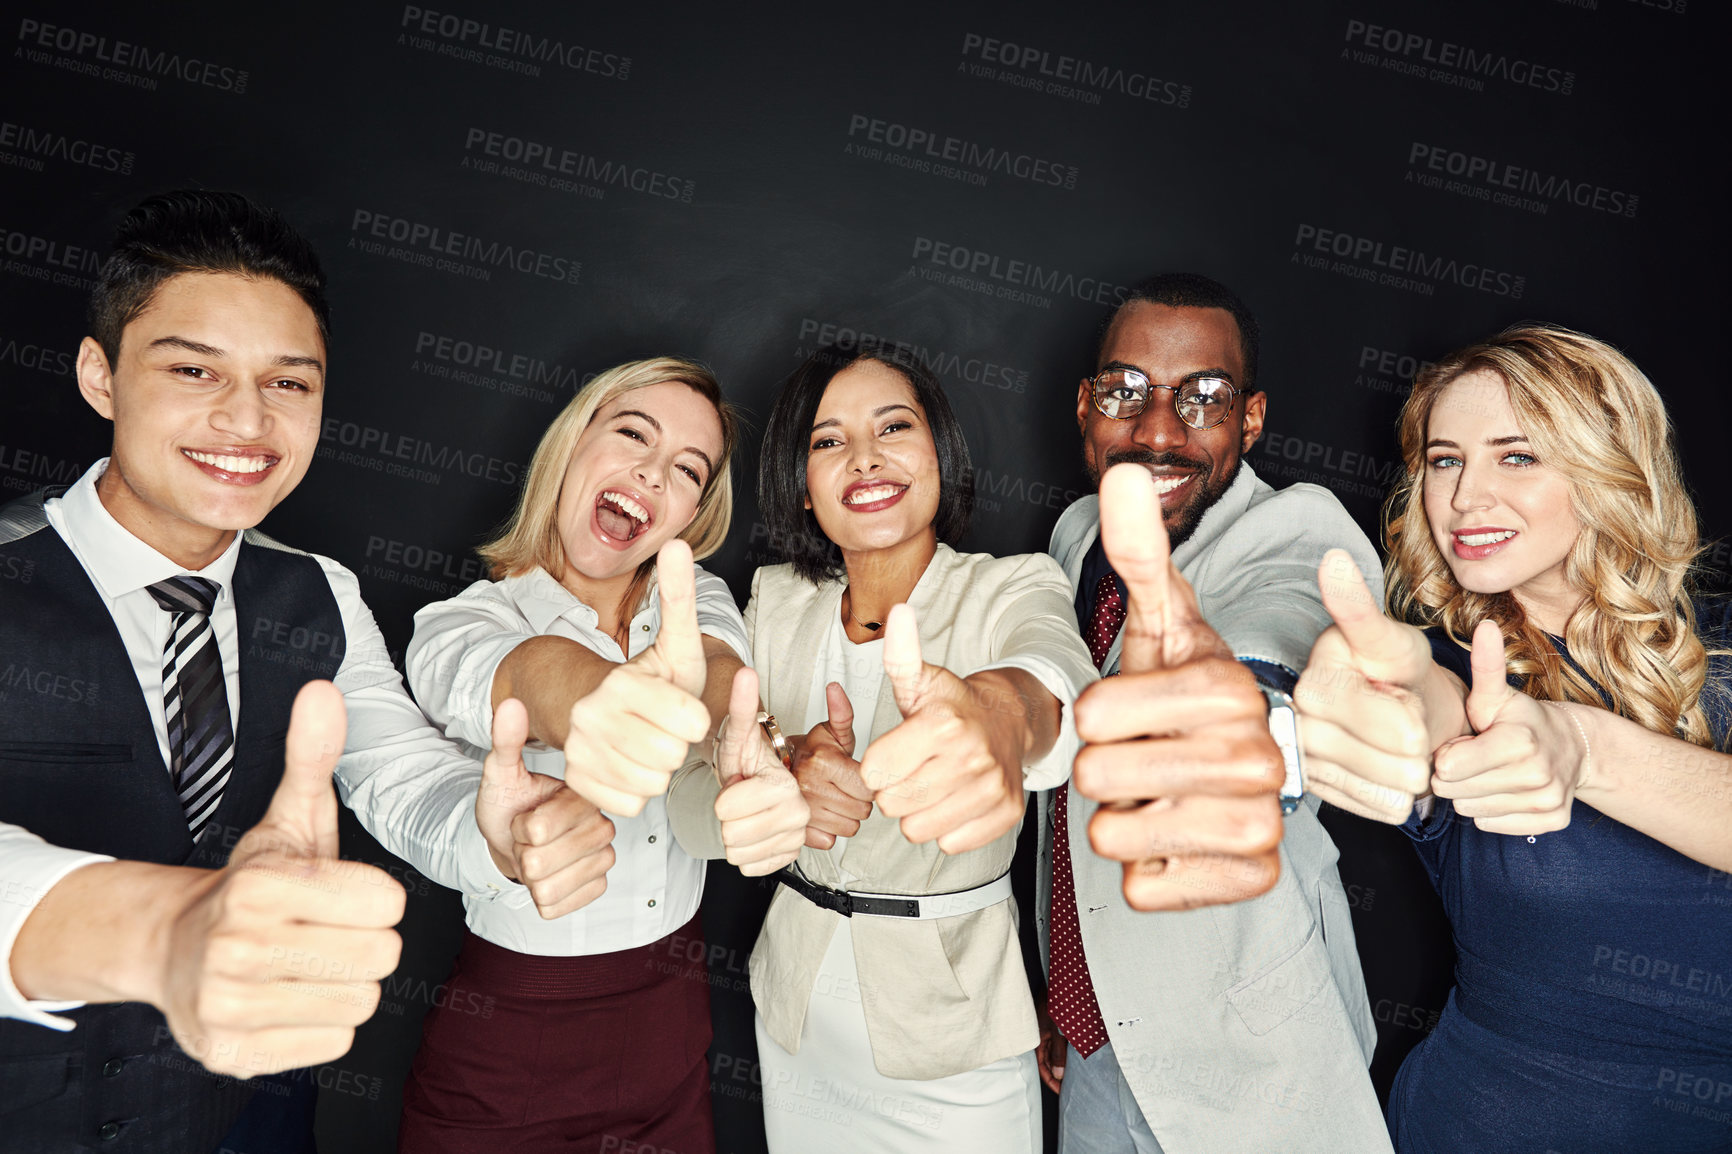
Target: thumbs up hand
[[1520, 771], [952, 770], [278, 957], [762, 813], [631, 733], [1178, 749], [540, 833], [829, 776], [1362, 717], [301, 820]]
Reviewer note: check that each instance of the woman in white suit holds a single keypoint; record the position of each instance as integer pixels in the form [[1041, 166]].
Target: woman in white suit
[[893, 1009]]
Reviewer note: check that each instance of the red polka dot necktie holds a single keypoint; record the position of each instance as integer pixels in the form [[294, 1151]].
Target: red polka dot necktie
[[1107, 619], [1071, 995]]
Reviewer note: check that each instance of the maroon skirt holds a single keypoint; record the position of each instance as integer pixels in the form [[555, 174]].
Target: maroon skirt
[[599, 1054]]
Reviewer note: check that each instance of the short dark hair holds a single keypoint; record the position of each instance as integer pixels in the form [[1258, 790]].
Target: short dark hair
[[1192, 290], [794, 532], [192, 230]]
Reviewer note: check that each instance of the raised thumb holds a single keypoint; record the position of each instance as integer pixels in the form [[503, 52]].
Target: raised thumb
[[1135, 542], [1372, 637], [740, 736], [503, 774], [679, 642], [841, 715], [903, 665], [1490, 688], [302, 818]]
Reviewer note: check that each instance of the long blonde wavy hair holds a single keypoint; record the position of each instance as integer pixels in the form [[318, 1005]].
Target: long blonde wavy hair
[[531, 537], [1590, 413]]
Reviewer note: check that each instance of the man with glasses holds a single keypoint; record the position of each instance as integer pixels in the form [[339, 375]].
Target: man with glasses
[[1237, 1019]]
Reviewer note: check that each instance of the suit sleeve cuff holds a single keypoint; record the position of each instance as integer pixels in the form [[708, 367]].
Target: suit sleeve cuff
[[1271, 674]]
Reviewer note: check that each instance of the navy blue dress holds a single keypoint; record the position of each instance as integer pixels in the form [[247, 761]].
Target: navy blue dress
[[1592, 1008]]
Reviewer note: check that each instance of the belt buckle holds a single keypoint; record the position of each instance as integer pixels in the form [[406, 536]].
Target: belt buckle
[[841, 901], [822, 896]]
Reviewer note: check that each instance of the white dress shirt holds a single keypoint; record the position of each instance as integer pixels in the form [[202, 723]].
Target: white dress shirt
[[654, 886], [411, 788]]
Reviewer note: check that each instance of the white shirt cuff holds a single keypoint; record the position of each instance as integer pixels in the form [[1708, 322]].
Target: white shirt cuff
[[32, 868], [482, 878]]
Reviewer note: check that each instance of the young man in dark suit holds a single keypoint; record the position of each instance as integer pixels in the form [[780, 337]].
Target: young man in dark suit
[[168, 833]]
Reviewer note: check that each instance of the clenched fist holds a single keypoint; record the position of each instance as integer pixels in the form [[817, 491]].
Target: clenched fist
[[1361, 712], [762, 813], [1178, 749], [631, 733]]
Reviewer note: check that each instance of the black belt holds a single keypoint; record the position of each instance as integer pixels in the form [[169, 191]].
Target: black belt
[[845, 903], [952, 903]]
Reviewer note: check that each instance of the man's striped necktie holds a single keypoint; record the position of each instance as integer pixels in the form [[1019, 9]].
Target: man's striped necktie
[[201, 740]]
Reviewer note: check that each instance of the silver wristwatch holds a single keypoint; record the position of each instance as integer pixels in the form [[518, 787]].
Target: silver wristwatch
[[1284, 728]]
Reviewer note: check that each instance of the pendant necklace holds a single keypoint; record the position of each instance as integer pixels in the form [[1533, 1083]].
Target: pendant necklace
[[869, 626]]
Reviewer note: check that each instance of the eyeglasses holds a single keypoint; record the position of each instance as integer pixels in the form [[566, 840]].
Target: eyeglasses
[[1201, 402]]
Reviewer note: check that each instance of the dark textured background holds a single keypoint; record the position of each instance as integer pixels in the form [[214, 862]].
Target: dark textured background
[[725, 198]]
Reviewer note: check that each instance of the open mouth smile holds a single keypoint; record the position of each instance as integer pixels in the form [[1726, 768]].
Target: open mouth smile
[[619, 517]]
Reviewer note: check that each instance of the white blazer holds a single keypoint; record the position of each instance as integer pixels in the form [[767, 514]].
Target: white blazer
[[945, 995]]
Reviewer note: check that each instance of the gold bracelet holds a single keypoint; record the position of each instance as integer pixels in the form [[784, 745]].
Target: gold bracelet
[[773, 735]]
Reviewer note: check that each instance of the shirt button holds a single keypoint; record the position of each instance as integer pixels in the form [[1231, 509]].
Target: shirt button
[[652, 903], [646, 628], [112, 1067], [108, 1131], [652, 839]]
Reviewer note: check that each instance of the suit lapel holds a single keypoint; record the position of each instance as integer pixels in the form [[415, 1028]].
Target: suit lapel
[[795, 635], [1219, 517]]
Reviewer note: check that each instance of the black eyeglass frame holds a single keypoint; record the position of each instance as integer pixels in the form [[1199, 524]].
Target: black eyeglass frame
[[1132, 375]]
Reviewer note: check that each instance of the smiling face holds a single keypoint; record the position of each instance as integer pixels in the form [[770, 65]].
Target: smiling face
[[215, 400], [1501, 517], [872, 477], [633, 483], [1192, 467]]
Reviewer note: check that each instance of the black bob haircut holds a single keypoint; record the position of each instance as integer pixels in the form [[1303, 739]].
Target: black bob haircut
[[1181, 290], [794, 532], [191, 230]]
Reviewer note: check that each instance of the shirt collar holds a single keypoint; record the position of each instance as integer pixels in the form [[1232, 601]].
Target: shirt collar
[[543, 600], [118, 561]]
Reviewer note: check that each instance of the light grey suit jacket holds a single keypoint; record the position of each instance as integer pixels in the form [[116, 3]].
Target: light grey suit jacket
[[1246, 1026]]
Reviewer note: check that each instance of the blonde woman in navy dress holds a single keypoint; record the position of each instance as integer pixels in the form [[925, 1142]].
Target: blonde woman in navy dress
[[1545, 714]]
